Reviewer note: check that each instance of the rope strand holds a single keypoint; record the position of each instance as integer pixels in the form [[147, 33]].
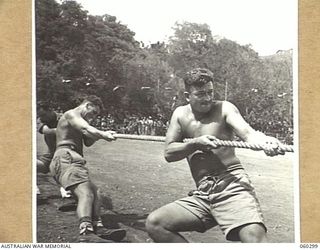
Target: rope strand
[[223, 143]]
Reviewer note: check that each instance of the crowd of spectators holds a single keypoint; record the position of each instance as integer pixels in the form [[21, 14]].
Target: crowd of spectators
[[272, 125], [132, 124], [140, 124]]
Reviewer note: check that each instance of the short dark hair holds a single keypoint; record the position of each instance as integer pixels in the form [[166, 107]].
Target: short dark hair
[[48, 117], [197, 77], [95, 100]]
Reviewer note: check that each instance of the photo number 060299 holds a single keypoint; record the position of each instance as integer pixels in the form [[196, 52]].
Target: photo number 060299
[[165, 121]]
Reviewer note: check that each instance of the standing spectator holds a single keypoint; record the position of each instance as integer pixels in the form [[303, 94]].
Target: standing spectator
[[104, 123]]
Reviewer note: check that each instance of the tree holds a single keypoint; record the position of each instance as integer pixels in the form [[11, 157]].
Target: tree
[[87, 52], [81, 54], [190, 46]]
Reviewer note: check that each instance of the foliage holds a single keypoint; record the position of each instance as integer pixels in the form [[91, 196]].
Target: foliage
[[78, 54]]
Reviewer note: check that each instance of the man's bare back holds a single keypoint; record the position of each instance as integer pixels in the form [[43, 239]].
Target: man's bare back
[[68, 166], [68, 134]]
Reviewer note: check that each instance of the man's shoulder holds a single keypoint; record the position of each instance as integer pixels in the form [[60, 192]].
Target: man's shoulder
[[226, 105], [70, 114], [182, 110]]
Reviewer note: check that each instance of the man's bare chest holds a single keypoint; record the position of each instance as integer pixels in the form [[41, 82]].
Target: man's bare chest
[[195, 128]]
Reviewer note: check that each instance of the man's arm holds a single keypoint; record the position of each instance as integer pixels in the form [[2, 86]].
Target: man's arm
[[48, 131], [175, 149], [84, 127], [246, 132], [43, 128]]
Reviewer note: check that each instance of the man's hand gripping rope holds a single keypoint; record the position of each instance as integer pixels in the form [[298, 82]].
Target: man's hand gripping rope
[[281, 148], [271, 147]]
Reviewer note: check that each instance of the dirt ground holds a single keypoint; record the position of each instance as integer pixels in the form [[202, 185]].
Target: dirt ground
[[134, 180]]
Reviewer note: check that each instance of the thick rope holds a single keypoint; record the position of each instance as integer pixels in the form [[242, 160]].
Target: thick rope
[[241, 144], [236, 144], [140, 137]]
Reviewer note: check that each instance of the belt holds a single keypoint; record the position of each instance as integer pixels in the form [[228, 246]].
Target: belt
[[205, 185], [69, 146]]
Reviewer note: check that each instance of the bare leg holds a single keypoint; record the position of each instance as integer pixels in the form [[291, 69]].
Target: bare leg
[[85, 195], [253, 233], [164, 223], [100, 230], [96, 205]]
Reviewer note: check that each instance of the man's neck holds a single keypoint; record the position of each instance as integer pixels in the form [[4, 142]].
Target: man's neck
[[200, 115], [80, 110]]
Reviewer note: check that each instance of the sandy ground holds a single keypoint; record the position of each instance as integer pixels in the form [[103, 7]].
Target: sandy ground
[[134, 180]]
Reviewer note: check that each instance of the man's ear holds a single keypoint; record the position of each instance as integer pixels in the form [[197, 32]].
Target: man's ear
[[187, 95], [88, 105]]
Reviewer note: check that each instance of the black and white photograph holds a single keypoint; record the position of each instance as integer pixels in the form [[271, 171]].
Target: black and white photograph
[[165, 121]]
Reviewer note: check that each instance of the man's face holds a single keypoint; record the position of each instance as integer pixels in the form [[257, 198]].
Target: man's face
[[201, 97], [92, 111]]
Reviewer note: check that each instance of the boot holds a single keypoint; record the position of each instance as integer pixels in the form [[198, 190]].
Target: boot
[[110, 234], [87, 235]]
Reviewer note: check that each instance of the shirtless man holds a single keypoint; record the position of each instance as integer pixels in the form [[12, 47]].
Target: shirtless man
[[46, 125], [224, 195], [69, 170]]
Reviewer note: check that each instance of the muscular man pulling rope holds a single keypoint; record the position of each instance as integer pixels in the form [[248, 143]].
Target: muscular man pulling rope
[[224, 194]]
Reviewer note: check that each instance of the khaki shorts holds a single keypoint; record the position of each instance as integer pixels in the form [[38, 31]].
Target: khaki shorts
[[227, 200], [46, 160], [68, 168]]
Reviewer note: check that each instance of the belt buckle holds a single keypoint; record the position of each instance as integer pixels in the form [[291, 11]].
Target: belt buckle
[[198, 191]]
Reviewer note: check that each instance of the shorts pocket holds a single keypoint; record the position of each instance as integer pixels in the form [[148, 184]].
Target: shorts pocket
[[59, 160], [76, 158]]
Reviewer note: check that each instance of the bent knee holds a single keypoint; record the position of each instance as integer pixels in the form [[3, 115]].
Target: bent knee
[[155, 223], [253, 233], [152, 221], [84, 191]]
